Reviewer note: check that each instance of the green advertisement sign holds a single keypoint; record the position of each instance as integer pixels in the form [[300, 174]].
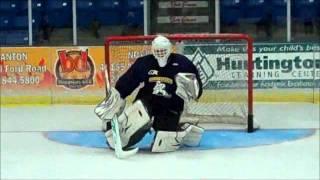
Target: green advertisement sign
[[274, 65]]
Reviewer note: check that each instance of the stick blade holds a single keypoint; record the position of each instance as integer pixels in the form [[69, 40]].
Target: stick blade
[[125, 154]]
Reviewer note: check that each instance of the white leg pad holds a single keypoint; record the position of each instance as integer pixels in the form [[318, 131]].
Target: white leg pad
[[131, 120], [167, 141], [193, 134]]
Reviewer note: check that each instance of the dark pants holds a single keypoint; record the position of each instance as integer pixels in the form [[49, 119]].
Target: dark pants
[[164, 118]]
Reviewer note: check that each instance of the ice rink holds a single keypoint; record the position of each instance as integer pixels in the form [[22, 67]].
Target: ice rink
[[27, 154]]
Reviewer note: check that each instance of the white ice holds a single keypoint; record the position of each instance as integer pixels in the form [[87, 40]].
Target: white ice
[[27, 154]]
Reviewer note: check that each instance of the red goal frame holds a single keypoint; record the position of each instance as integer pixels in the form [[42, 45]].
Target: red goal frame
[[224, 36]]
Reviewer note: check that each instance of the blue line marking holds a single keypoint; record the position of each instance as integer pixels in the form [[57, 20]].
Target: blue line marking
[[212, 139]]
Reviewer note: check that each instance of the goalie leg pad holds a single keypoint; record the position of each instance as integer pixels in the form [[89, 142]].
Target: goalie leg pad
[[134, 123], [193, 134], [167, 141]]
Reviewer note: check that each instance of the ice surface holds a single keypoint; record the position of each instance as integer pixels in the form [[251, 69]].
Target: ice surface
[[27, 154]]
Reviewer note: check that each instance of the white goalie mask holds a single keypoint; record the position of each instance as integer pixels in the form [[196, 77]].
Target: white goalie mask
[[161, 49]]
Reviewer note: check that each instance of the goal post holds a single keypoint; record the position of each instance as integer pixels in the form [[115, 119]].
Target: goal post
[[225, 64]]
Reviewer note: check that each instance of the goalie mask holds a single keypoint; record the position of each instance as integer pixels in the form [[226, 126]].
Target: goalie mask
[[161, 49]]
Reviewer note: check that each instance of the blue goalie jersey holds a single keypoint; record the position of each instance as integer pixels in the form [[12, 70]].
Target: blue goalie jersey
[[159, 86]]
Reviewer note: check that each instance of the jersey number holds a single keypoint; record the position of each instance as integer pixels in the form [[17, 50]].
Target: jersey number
[[159, 89]]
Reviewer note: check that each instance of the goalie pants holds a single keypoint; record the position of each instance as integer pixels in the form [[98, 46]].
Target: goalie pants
[[164, 119]]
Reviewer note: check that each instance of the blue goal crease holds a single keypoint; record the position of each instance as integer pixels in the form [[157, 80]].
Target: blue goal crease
[[211, 139]]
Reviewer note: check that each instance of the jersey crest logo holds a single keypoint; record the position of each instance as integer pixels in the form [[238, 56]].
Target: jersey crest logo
[[153, 72], [159, 89], [206, 70]]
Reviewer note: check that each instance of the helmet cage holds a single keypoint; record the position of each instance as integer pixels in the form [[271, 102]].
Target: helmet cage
[[161, 53]]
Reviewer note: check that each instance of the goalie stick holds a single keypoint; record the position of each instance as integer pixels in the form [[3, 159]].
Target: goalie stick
[[120, 153]]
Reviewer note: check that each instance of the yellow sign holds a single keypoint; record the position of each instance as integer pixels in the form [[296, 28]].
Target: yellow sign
[[51, 75]]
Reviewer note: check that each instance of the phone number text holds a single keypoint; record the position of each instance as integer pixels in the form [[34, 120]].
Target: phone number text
[[22, 80]]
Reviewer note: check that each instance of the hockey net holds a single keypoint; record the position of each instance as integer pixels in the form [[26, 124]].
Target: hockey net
[[225, 65]]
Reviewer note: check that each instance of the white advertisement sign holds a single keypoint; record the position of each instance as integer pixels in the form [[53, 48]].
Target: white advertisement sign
[[271, 69]]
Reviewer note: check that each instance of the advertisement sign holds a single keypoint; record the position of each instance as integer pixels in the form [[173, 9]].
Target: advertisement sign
[[223, 67], [51, 75], [282, 72], [19, 71]]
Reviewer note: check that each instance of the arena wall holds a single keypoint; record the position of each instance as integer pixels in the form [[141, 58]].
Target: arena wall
[[74, 75]]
